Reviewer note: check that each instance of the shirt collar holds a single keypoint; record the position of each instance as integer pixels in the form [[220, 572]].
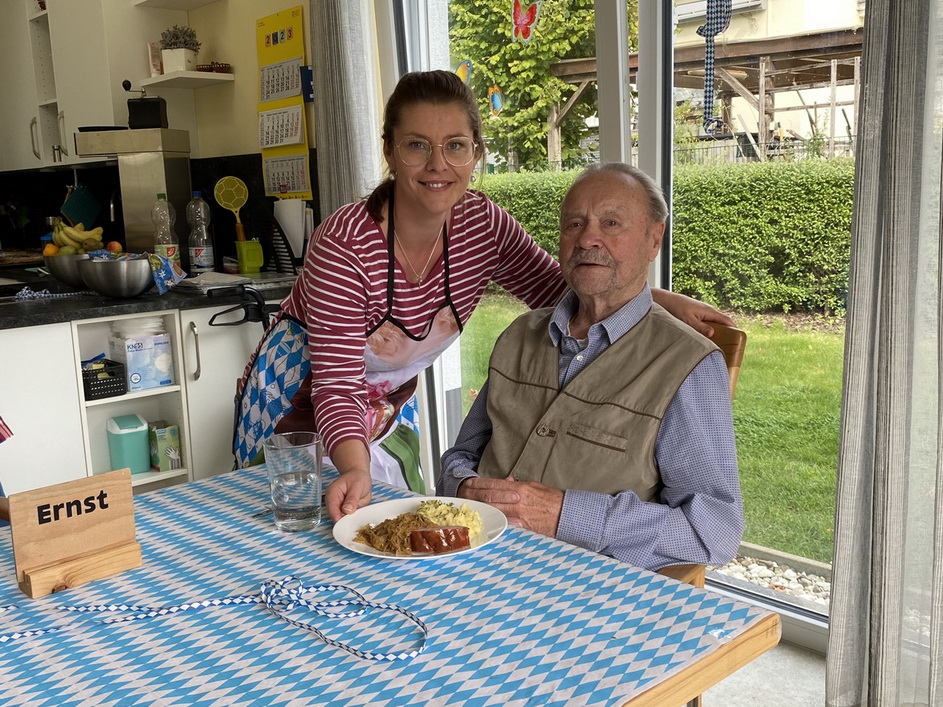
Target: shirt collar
[[615, 325]]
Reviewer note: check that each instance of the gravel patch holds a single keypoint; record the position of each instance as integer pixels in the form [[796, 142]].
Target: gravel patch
[[804, 586]]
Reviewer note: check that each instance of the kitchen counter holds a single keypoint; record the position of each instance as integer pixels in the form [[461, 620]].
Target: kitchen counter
[[24, 313]]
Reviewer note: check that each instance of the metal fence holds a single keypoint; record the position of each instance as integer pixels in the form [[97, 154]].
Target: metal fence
[[744, 148], [724, 150]]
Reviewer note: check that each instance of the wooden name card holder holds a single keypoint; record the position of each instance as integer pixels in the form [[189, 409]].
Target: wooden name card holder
[[72, 533]]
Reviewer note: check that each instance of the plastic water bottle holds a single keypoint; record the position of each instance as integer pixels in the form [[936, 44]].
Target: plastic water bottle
[[200, 243], [165, 238]]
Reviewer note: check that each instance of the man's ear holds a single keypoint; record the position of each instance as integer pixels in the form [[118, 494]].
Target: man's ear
[[656, 232]]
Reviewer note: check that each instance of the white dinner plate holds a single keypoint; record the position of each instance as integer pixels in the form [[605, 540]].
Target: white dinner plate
[[493, 524]]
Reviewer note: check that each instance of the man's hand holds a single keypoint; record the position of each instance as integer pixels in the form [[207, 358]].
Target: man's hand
[[347, 493], [690, 311], [527, 504]]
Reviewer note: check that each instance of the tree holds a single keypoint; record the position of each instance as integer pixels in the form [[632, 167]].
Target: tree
[[481, 31]]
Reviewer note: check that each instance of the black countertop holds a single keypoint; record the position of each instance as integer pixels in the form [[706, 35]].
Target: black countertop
[[23, 313]]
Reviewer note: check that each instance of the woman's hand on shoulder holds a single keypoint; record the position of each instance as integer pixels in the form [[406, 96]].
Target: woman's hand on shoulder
[[692, 312], [347, 493]]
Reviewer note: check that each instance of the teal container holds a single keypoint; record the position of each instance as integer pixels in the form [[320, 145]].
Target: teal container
[[127, 443]]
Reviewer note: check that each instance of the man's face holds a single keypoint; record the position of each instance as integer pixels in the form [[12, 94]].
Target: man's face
[[606, 240]]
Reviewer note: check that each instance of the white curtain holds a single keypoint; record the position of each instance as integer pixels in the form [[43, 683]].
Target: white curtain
[[887, 584], [346, 113]]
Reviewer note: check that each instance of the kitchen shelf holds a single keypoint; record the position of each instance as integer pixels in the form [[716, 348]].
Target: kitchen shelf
[[137, 394], [173, 4], [188, 79], [149, 477]]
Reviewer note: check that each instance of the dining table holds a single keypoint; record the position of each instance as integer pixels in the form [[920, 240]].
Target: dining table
[[228, 610]]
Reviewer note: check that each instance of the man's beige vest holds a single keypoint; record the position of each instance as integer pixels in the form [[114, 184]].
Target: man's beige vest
[[598, 433]]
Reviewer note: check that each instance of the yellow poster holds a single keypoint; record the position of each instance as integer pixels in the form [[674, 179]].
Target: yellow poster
[[283, 137]]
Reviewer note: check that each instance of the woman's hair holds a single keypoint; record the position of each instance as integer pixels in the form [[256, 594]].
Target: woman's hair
[[437, 87]]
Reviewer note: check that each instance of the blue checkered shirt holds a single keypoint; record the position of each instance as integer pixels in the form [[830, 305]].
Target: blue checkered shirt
[[699, 516]]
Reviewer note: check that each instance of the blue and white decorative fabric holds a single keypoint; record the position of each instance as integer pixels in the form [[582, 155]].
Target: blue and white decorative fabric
[[275, 376], [524, 620], [718, 19]]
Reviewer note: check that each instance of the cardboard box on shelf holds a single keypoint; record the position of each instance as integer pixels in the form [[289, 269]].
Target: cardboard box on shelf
[[148, 360], [165, 446]]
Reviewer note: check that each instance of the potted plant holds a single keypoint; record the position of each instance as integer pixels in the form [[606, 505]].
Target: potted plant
[[178, 49]]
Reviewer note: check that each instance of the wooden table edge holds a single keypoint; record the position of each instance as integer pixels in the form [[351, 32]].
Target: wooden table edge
[[711, 669]]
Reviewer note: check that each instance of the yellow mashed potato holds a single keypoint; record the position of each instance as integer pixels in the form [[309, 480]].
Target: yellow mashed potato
[[448, 514]]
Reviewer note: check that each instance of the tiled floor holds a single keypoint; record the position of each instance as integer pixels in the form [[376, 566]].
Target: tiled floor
[[787, 676]]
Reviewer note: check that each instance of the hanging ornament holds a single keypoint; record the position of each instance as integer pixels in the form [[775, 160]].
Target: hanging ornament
[[718, 19], [523, 20], [464, 71], [496, 99]]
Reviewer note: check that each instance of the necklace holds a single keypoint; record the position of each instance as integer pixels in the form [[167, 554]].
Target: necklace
[[421, 273]]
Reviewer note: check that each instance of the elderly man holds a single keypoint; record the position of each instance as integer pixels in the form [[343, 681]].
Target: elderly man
[[605, 422]]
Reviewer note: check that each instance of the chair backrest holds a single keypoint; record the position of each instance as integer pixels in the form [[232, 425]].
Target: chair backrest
[[732, 342]]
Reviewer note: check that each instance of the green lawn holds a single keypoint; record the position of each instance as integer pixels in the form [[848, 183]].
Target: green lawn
[[786, 415]]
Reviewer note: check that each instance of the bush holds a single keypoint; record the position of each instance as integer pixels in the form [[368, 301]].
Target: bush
[[759, 237], [764, 236]]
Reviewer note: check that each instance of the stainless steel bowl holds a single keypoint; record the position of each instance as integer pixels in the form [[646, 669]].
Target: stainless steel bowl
[[65, 268], [117, 278]]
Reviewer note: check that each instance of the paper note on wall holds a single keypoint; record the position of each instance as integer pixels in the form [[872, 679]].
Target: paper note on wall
[[283, 136]]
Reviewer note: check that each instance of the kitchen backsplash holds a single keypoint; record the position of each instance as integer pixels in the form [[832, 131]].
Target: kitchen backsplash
[[28, 197]]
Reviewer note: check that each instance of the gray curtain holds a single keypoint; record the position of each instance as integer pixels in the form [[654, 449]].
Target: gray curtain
[[346, 114], [887, 583]]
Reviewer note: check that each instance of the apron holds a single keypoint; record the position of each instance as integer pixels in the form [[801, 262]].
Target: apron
[[275, 394]]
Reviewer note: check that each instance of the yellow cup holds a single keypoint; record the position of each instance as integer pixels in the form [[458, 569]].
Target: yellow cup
[[250, 256]]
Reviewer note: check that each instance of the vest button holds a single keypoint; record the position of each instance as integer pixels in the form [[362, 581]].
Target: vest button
[[543, 431]]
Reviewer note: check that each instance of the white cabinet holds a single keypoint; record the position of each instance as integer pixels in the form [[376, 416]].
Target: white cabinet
[[216, 357], [167, 403], [40, 401], [23, 135], [70, 60]]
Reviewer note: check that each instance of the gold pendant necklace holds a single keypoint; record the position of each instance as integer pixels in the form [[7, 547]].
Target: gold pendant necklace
[[420, 274]]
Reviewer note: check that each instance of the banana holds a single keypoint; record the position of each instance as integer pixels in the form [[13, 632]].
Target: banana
[[79, 226], [94, 233], [57, 234], [71, 236]]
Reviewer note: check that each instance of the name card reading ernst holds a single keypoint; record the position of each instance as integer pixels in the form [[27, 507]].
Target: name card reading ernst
[[78, 518]]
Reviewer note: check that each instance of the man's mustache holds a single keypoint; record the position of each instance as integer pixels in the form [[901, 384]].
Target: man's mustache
[[588, 257]]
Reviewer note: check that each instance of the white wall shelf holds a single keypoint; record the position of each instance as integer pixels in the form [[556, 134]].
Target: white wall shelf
[[187, 79], [173, 4]]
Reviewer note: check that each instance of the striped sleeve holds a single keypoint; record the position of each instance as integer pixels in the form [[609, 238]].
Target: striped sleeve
[[331, 299]]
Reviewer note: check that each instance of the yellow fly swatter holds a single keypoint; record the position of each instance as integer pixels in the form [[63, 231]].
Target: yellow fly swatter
[[231, 193]]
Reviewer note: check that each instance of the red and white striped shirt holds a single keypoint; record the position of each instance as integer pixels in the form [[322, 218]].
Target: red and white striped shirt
[[341, 294]]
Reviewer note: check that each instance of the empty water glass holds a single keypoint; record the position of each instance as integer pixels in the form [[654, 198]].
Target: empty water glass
[[293, 462]]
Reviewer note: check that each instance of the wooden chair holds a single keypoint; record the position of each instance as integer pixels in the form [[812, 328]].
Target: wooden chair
[[732, 342]]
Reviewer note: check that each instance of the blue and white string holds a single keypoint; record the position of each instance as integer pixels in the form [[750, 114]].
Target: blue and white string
[[718, 19], [279, 596]]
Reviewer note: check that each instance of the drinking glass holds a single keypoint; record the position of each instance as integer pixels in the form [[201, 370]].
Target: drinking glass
[[293, 462]]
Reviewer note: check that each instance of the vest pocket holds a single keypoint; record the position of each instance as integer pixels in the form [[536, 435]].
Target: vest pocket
[[594, 435]]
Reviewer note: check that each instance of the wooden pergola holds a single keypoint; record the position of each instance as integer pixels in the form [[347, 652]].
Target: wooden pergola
[[754, 70]]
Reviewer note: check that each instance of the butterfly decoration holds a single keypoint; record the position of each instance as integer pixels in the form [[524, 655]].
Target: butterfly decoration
[[496, 99], [464, 71], [524, 20]]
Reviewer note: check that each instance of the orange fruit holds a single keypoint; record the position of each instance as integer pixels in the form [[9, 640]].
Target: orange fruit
[[51, 249]]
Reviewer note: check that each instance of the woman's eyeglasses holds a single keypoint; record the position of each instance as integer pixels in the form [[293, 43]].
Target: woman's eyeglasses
[[458, 152]]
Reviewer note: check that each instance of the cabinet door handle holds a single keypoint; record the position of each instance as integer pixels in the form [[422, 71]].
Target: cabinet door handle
[[33, 129], [62, 140], [196, 343]]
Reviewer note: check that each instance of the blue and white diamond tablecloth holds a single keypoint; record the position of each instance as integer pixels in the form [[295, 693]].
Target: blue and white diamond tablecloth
[[523, 621]]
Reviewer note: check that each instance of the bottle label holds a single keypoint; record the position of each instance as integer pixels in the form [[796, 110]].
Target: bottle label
[[171, 251], [201, 259]]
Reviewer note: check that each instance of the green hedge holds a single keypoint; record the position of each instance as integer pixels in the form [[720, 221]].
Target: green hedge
[[754, 237]]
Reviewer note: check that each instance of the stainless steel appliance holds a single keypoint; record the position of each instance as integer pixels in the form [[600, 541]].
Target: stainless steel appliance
[[151, 161]]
